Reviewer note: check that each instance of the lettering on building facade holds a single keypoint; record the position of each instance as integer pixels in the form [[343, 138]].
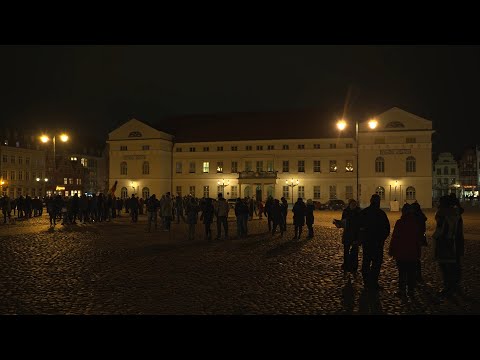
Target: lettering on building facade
[[395, 151]]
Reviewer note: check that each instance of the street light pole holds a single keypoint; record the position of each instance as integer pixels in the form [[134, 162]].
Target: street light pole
[[357, 170], [292, 185]]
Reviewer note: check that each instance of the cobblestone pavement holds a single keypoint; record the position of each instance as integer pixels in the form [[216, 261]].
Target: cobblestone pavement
[[120, 268]]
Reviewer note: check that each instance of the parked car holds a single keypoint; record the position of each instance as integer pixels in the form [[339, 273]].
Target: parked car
[[319, 206], [335, 205]]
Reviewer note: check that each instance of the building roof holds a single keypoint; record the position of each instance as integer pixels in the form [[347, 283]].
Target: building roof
[[298, 124]]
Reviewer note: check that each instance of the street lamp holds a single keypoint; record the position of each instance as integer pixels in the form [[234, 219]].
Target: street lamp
[[293, 183], [222, 183], [341, 125], [44, 139], [44, 184], [2, 183]]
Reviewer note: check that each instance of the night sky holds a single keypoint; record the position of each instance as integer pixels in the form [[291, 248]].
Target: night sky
[[89, 90]]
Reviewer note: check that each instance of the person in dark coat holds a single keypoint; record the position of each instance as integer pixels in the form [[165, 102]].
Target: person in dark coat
[[268, 211], [299, 210], [422, 220], [407, 238], [284, 212], [309, 217], [207, 217], [133, 202], [277, 217], [191, 211], [374, 228], [350, 237], [241, 212]]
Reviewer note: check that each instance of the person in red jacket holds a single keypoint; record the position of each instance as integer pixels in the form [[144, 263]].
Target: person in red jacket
[[405, 248]]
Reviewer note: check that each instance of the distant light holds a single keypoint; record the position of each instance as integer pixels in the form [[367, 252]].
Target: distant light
[[44, 138], [372, 124], [38, 179], [46, 180], [341, 125], [64, 137]]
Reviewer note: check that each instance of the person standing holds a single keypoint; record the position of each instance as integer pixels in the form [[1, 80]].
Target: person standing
[[241, 211], [277, 217], [167, 208], [192, 210], [221, 211], [152, 208], [207, 217], [309, 218], [133, 208], [299, 211], [284, 212], [350, 237], [375, 228], [422, 220], [179, 208]]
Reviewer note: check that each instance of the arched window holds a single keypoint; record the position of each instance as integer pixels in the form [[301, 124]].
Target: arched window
[[410, 193], [379, 165], [411, 164], [124, 193], [380, 191], [145, 193], [146, 168], [395, 124], [123, 168], [445, 170]]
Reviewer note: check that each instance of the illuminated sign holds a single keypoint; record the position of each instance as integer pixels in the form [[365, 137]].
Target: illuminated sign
[[60, 188]]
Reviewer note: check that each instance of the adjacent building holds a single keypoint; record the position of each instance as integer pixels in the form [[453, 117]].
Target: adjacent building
[[468, 173], [445, 176]]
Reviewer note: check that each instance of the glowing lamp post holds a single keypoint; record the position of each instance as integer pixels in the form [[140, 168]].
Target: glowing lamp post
[[44, 139], [292, 184]]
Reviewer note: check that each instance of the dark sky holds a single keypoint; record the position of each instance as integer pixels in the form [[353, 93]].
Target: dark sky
[[91, 89]]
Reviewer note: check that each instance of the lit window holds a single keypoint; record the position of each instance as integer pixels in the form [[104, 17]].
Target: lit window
[[380, 191], [411, 193], [349, 166], [65, 181], [220, 167], [333, 165], [206, 167]]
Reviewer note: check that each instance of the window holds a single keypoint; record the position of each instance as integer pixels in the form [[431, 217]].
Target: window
[[316, 146], [145, 193], [206, 191], [411, 140], [219, 148], [206, 167], [349, 166], [178, 167], [192, 191], [234, 167], [286, 192], [379, 165], [349, 146], [234, 148], [439, 181], [206, 148], [5, 158], [453, 181], [452, 171], [445, 180], [411, 164], [301, 165], [123, 168], [4, 174], [220, 189], [271, 147], [333, 192], [191, 167], [270, 165], [27, 176], [123, 148], [12, 175], [248, 147], [12, 159], [20, 175], [333, 165], [285, 166], [380, 191], [20, 160], [301, 192], [234, 193], [65, 181], [349, 192], [410, 193], [79, 181], [259, 166], [146, 168], [333, 146], [316, 192], [248, 166], [124, 193], [70, 181], [301, 147], [146, 147], [439, 171], [445, 170], [259, 147], [179, 191], [285, 147], [379, 140], [179, 149], [192, 149], [84, 162], [220, 167]]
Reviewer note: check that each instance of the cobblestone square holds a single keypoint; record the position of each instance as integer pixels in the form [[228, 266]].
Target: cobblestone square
[[119, 268]]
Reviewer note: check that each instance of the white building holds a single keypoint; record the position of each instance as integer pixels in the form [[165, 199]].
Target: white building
[[445, 176], [394, 161]]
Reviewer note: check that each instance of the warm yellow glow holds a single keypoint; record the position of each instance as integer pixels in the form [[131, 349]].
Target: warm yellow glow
[[64, 137], [46, 180], [38, 179], [3, 182], [44, 138], [341, 125], [372, 124]]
